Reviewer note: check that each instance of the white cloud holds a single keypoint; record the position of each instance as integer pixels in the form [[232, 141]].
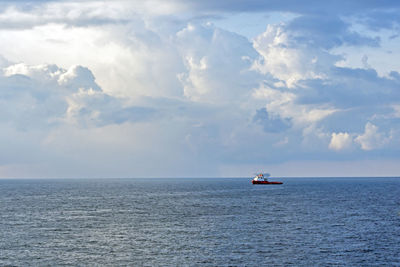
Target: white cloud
[[340, 141], [76, 123], [283, 103], [217, 64], [288, 61], [78, 77], [372, 139], [65, 12], [47, 95], [162, 86]]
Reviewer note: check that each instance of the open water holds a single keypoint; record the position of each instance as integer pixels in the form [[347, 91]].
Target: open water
[[200, 222]]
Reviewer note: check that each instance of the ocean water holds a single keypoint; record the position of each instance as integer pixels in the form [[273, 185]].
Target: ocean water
[[200, 222]]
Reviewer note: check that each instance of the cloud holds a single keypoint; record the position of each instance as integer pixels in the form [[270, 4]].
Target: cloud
[[340, 141], [141, 83], [326, 32], [288, 60], [78, 77], [30, 101], [372, 139], [269, 123], [91, 108], [386, 18], [282, 102], [307, 7], [217, 64], [46, 95], [350, 88], [26, 15], [325, 98]]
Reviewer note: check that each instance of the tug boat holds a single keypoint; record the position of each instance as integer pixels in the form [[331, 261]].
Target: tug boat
[[263, 179]]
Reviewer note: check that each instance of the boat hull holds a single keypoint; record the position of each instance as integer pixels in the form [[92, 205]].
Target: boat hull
[[265, 182]]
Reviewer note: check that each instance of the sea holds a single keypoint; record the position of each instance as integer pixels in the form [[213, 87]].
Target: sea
[[200, 222]]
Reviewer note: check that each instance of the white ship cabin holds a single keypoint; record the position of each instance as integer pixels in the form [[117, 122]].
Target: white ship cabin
[[260, 177]]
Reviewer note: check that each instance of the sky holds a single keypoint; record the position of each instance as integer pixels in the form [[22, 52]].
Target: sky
[[187, 88]]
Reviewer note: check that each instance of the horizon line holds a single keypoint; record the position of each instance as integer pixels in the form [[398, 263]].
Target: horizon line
[[204, 177]]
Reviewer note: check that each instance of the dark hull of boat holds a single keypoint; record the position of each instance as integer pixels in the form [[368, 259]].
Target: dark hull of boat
[[265, 182]]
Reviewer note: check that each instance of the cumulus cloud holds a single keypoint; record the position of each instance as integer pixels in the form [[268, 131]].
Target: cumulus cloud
[[91, 108], [319, 97], [372, 139], [340, 141], [29, 96], [217, 64], [158, 81], [287, 60], [78, 77], [283, 103], [44, 95]]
